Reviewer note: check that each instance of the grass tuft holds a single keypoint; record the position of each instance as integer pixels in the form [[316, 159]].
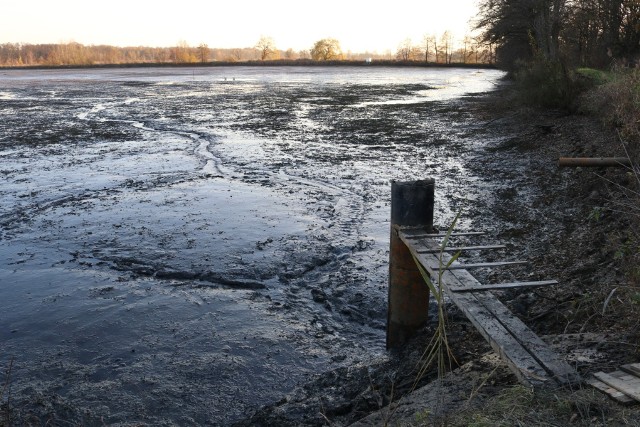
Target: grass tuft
[[520, 406], [618, 102]]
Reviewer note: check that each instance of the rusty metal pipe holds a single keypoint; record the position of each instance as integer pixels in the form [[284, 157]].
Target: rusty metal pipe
[[411, 205], [594, 162]]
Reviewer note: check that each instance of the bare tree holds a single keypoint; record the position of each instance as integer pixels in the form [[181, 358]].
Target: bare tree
[[428, 42], [404, 50], [203, 50], [467, 49], [446, 41], [183, 53], [235, 55], [266, 46]]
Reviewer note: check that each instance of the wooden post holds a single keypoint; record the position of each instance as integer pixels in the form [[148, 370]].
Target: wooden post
[[411, 206]]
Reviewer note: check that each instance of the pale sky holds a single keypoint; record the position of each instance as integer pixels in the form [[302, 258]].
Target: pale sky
[[358, 25]]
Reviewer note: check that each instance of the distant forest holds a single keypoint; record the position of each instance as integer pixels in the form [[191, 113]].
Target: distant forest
[[77, 54]]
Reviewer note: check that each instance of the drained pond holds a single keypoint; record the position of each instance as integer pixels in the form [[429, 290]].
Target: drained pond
[[184, 245]]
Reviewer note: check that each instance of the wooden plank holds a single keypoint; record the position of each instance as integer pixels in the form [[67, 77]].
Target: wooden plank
[[527, 369], [501, 286], [419, 235], [530, 358], [633, 369], [429, 259], [461, 249], [629, 384], [541, 351], [457, 266], [613, 393]]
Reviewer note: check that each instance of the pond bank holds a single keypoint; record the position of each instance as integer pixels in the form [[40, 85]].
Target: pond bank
[[544, 214]]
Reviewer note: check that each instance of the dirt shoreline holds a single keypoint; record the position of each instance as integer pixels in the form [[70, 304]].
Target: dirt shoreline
[[561, 219]]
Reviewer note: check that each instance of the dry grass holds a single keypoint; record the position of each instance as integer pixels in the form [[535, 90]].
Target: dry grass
[[520, 406], [618, 103]]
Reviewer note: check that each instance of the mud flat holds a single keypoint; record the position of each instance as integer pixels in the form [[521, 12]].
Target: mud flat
[[185, 246], [543, 213]]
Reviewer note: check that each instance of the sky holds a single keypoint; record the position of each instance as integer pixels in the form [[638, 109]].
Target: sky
[[359, 26]]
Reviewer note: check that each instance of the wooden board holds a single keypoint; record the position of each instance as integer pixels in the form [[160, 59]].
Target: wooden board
[[616, 395], [525, 353], [462, 249], [512, 339], [626, 383], [502, 286], [458, 266], [416, 234], [633, 369], [539, 350]]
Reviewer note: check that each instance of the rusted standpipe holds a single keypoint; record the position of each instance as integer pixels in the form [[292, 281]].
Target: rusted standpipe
[[411, 206]]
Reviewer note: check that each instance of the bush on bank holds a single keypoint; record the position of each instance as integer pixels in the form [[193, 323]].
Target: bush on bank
[[548, 84], [617, 101]]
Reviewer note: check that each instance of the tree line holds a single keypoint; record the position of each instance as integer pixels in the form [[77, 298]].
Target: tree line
[[432, 49], [592, 33]]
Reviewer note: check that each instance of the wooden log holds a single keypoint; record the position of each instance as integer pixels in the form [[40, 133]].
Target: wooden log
[[408, 303], [594, 162]]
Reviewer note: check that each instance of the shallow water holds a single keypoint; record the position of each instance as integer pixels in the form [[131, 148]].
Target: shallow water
[[185, 245]]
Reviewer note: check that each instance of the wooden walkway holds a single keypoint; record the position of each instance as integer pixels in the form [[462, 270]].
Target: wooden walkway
[[531, 359]]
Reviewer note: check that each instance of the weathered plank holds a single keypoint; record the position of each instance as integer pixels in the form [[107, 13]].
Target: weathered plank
[[613, 393], [527, 369], [458, 266], [502, 286], [627, 384], [633, 369], [539, 350], [461, 249], [413, 234], [530, 358]]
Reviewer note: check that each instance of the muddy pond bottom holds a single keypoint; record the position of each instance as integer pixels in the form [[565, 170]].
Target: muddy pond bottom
[[183, 246]]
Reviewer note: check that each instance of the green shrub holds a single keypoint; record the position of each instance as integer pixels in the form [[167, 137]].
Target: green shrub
[[594, 77], [548, 84]]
